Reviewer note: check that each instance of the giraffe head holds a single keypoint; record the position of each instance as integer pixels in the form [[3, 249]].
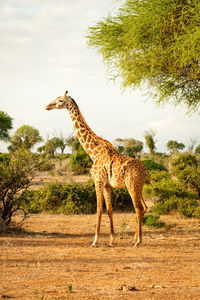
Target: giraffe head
[[60, 102]]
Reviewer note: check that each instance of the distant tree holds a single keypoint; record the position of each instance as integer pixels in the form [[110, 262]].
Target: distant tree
[[156, 44], [118, 144], [5, 126], [197, 150], [128, 146], [150, 140], [192, 142], [51, 145], [173, 146], [25, 138], [71, 142]]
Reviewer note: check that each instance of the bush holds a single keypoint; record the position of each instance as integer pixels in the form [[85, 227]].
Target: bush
[[79, 160], [151, 220], [122, 200], [5, 158], [15, 177], [152, 165], [30, 201], [71, 199], [187, 169], [67, 199], [185, 206]]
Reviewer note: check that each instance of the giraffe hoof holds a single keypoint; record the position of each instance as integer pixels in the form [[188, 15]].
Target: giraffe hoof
[[136, 245], [110, 245], [93, 246]]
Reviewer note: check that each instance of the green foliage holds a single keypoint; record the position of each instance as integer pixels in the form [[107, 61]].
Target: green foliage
[[5, 158], [174, 146], [46, 163], [186, 168], [156, 44], [79, 161], [172, 196], [71, 199], [152, 165], [185, 206], [31, 201], [129, 146], [15, 177], [150, 140], [5, 126], [25, 137], [67, 199], [52, 144], [121, 200], [197, 150], [151, 220]]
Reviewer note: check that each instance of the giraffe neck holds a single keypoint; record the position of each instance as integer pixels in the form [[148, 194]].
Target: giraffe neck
[[88, 139]]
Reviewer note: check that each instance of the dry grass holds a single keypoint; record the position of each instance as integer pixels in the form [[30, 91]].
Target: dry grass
[[51, 258]]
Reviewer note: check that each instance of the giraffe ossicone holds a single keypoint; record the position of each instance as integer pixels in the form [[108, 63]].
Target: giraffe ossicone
[[109, 169]]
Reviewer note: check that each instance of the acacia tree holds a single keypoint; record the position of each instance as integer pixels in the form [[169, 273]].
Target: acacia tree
[[129, 146], [5, 126], [25, 137], [150, 140], [53, 144], [173, 146], [155, 44]]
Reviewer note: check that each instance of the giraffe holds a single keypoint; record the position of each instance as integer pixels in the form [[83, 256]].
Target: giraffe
[[109, 169]]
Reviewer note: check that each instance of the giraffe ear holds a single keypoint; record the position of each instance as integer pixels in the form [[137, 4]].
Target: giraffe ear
[[66, 92]]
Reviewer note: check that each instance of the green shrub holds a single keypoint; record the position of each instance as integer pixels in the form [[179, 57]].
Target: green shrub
[[5, 158], [53, 196], [185, 206], [152, 165], [151, 220], [122, 200], [46, 162], [79, 160], [157, 175], [148, 190], [187, 169], [71, 199], [80, 199], [30, 201], [168, 187]]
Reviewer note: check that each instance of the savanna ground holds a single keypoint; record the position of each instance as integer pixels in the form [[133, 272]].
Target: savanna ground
[[51, 258]]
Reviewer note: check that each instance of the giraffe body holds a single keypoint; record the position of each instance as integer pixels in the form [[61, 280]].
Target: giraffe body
[[109, 169]]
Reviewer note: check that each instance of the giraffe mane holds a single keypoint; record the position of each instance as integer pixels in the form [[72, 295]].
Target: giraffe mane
[[87, 126]]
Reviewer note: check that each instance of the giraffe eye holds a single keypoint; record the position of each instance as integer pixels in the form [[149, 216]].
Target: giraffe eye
[[61, 101]]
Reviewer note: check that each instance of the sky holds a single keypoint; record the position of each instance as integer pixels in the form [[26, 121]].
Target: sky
[[44, 52]]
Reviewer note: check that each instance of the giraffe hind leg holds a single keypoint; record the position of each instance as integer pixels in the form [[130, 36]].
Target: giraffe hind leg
[[140, 215], [140, 209], [108, 200]]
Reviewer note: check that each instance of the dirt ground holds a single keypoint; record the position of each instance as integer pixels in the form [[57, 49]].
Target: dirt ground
[[51, 258]]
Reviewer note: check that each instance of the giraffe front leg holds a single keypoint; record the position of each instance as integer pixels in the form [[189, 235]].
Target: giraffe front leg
[[138, 234], [99, 193]]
